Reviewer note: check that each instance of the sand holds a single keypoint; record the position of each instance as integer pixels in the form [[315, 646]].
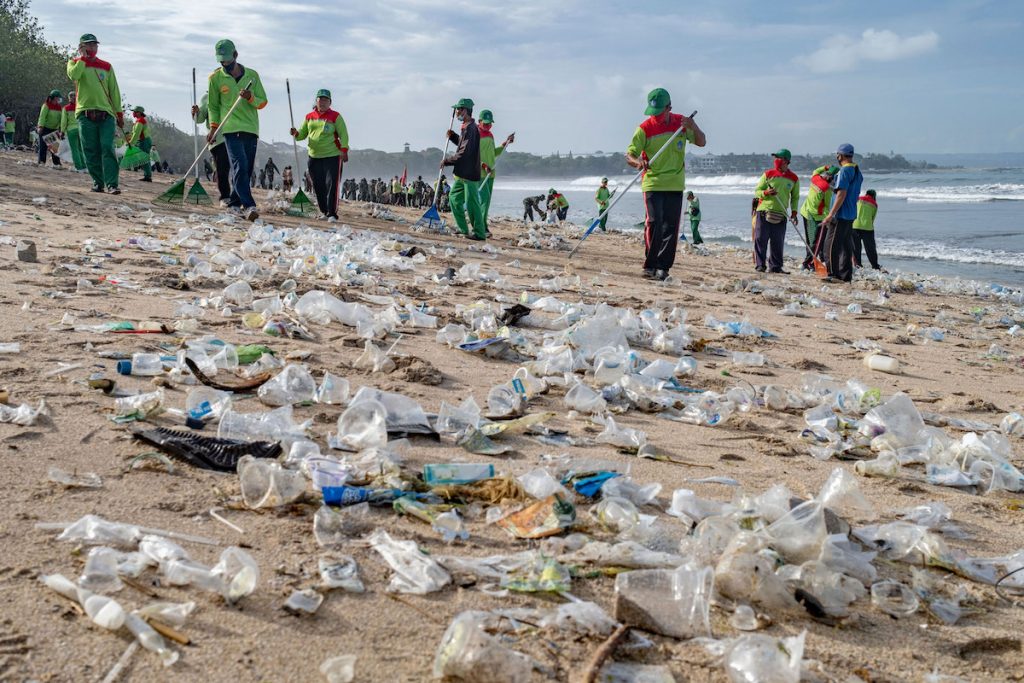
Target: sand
[[395, 637]]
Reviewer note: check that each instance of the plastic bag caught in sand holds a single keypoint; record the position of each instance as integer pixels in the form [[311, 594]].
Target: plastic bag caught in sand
[[415, 572]]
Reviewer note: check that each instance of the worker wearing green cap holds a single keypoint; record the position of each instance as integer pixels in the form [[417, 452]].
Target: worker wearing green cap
[[603, 196], [140, 138], [241, 132], [864, 230], [777, 191], [488, 157], [465, 160], [665, 180], [693, 211], [69, 129], [99, 106], [10, 125], [49, 122], [814, 210], [328, 150]]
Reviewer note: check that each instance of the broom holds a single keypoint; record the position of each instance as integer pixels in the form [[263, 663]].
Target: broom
[[176, 192], [431, 215], [301, 206]]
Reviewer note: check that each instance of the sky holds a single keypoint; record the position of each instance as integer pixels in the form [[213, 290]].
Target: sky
[[910, 76]]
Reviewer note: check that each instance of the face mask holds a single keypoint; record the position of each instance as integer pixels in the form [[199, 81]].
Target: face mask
[[229, 67], [778, 164]]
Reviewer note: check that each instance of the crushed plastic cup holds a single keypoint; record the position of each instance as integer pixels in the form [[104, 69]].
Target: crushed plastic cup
[[363, 425], [745, 358], [340, 572], [341, 669], [266, 484], [333, 390], [336, 526], [584, 399], [744, 618], [504, 401], [149, 639], [85, 480], [238, 571], [755, 658], [305, 601], [450, 526], [414, 572], [294, 384], [894, 598], [468, 653], [238, 293], [100, 573], [674, 603]]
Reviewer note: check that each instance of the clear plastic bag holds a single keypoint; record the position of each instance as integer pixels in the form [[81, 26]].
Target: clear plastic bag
[[294, 384], [415, 572]]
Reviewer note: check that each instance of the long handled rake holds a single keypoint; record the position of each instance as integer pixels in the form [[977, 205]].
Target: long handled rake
[[176, 192], [197, 193], [431, 216], [301, 206], [615, 200]]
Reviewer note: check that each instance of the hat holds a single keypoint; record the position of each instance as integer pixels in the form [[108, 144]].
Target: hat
[[224, 50], [657, 100], [604, 180], [832, 170], [56, 93], [139, 110], [846, 149], [464, 103], [72, 93], [486, 116], [783, 153], [551, 191], [324, 92], [87, 38], [871, 193]]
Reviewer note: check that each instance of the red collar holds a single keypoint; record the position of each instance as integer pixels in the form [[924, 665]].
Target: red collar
[[330, 116], [53, 107], [789, 175], [140, 118], [94, 62], [868, 199], [70, 106], [655, 125]]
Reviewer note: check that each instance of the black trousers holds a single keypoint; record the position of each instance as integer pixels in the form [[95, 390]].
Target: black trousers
[[839, 249], [866, 238], [769, 242], [661, 229], [326, 178], [223, 169], [43, 148]]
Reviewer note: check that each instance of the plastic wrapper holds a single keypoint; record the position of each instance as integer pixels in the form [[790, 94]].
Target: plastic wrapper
[[414, 572], [624, 437], [23, 415], [544, 518], [628, 554]]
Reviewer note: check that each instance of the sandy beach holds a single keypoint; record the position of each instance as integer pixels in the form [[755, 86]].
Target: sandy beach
[[395, 635]]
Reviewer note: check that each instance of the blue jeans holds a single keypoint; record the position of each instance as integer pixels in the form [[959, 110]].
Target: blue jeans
[[241, 149]]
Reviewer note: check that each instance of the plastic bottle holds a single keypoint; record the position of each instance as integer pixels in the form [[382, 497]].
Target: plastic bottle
[[886, 364]]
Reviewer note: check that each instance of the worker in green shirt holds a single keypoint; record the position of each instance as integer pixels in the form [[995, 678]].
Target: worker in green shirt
[[558, 205], [242, 131], [815, 208], [140, 138], [97, 110], [602, 197], [328, 150], [664, 181], [49, 122], [69, 129], [154, 156], [488, 157], [465, 162], [219, 152], [9, 128], [864, 229], [693, 211], [777, 191]]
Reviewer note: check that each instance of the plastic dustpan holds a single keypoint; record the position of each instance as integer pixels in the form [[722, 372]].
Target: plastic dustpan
[[301, 206], [431, 220], [173, 194], [134, 158], [197, 195]]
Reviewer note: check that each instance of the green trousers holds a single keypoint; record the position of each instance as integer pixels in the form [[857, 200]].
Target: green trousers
[[604, 218], [486, 192], [465, 197], [694, 223], [98, 145], [75, 143], [147, 168]]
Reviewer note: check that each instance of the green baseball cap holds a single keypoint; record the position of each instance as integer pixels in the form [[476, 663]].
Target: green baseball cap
[[486, 116], [657, 100], [224, 50], [832, 170], [783, 153], [324, 92], [87, 38], [56, 93], [604, 180], [139, 110], [551, 191], [464, 103]]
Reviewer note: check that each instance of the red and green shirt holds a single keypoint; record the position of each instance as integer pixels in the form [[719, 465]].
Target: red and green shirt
[[489, 153], [668, 172], [867, 208], [67, 118], [96, 86], [140, 131], [819, 196], [787, 191], [49, 115], [221, 94], [328, 136]]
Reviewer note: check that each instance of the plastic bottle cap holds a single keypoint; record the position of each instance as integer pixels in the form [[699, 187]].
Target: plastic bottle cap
[[124, 367], [194, 423]]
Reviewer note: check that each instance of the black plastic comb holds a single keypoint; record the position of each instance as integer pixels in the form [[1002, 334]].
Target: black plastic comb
[[206, 452]]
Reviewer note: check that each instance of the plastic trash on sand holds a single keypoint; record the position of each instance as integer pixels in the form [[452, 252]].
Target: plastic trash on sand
[[292, 385], [414, 572], [621, 437], [673, 603], [544, 518], [86, 480], [100, 573], [105, 612], [266, 484], [305, 601], [584, 399], [894, 598], [23, 415], [627, 672], [374, 360], [148, 638], [755, 658], [93, 530], [363, 425], [341, 669], [239, 573], [894, 424], [468, 653], [333, 390], [335, 526], [340, 572], [842, 494]]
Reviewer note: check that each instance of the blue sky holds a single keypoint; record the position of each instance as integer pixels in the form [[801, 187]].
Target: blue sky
[[910, 75]]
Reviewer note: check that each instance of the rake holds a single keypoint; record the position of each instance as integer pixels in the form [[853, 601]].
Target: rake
[[301, 206], [196, 194], [431, 216], [176, 192]]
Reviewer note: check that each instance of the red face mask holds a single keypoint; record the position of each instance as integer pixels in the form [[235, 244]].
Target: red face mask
[[778, 164], [485, 127]]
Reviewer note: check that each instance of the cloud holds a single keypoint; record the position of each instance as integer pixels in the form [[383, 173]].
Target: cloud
[[845, 54]]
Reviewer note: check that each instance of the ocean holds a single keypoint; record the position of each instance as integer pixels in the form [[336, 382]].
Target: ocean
[[959, 222]]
